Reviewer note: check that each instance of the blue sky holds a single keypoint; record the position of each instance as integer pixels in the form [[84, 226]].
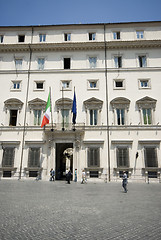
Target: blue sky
[[48, 12]]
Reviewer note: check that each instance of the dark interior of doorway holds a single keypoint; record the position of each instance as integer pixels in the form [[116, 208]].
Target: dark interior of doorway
[[61, 160]]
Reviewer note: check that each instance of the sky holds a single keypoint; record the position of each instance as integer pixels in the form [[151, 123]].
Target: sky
[[57, 12]]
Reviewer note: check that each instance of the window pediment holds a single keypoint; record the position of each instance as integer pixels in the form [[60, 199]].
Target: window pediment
[[13, 103], [93, 103], [64, 103], [146, 102], [37, 103], [120, 102]]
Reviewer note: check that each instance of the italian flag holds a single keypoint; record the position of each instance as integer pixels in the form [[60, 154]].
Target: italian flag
[[47, 114]]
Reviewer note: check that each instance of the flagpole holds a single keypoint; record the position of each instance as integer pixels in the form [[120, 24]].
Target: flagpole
[[51, 111]]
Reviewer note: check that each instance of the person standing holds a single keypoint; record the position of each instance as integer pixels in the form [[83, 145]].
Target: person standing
[[52, 175], [69, 177], [83, 177], [75, 173], [124, 181]]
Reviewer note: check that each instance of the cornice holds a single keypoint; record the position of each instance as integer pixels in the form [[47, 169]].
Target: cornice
[[72, 46]]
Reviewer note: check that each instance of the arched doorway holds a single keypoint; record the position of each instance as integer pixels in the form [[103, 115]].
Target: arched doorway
[[60, 168]]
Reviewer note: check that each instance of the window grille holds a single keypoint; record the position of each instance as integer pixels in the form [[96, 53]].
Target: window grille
[[34, 157], [93, 157], [151, 157], [8, 157], [122, 157]]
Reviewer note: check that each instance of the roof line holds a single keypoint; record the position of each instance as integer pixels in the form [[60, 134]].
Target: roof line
[[79, 24]]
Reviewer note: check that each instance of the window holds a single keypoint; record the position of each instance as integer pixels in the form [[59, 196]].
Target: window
[[122, 157], [93, 157], [93, 116], [1, 38], [146, 108], [42, 37], [144, 83], [93, 84], [16, 85], [92, 62], [34, 157], [37, 117], [39, 85], [13, 118], [140, 34], [119, 84], [66, 85], [18, 64], [147, 118], [21, 38], [41, 63], [65, 117], [142, 61], [93, 108], [8, 156], [120, 107], [120, 116], [67, 36], [92, 36], [151, 157], [118, 61], [66, 63], [116, 35]]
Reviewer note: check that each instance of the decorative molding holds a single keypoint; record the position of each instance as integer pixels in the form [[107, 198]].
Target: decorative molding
[[120, 102], [37, 103], [71, 46], [93, 103]]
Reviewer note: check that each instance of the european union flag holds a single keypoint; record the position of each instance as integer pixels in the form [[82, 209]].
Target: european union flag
[[74, 109]]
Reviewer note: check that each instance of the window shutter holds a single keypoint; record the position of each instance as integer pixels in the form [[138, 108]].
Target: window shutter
[[8, 157]]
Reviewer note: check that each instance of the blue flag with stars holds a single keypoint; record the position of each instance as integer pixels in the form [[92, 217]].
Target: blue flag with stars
[[74, 109]]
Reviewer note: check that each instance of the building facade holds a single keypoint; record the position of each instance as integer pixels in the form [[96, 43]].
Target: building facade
[[116, 72]]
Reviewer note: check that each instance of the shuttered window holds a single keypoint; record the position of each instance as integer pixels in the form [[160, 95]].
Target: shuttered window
[[151, 157], [8, 157], [93, 157], [34, 157], [122, 157]]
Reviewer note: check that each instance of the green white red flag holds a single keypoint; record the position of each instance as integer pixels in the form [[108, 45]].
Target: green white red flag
[[47, 115]]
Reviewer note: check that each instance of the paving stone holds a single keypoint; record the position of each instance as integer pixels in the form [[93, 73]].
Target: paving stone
[[44, 210]]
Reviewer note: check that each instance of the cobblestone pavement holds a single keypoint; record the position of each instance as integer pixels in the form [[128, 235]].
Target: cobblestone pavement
[[42, 210]]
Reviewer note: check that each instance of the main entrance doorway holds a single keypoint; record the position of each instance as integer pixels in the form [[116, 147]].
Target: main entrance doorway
[[61, 160]]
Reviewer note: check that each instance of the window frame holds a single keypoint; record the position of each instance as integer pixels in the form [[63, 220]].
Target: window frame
[[115, 35], [41, 37], [119, 80], [43, 65], [144, 80], [67, 37], [89, 81], [31, 158], [140, 33], [37, 117], [13, 82], [92, 36], [66, 88], [93, 65], [19, 38], [1, 38], [18, 60], [39, 82], [95, 159], [119, 159], [118, 63], [11, 165], [64, 60], [141, 62]]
